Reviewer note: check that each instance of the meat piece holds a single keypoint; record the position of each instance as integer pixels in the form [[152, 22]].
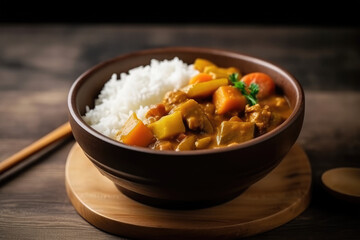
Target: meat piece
[[261, 116], [195, 116], [180, 137], [163, 145], [173, 98], [281, 103], [276, 120], [235, 118], [155, 113], [209, 108], [277, 104], [234, 132]]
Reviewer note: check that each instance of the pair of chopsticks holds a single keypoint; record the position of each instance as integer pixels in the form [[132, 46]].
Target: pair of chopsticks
[[59, 133]]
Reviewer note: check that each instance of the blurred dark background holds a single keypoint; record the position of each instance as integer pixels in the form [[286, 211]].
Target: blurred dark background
[[292, 13]]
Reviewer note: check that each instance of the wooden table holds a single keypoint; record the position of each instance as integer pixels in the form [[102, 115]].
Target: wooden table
[[38, 63]]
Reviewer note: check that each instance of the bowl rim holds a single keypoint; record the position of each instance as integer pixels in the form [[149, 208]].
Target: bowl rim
[[297, 110]]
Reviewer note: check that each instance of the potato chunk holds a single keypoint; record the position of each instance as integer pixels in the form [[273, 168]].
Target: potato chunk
[[201, 63], [168, 126], [188, 143], [218, 72], [203, 142], [235, 132], [204, 89]]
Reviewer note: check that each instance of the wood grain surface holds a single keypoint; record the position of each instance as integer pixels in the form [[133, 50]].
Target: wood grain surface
[[276, 199], [38, 63], [59, 133]]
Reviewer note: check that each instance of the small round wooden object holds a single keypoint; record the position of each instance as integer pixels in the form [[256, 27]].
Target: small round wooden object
[[275, 200], [343, 183]]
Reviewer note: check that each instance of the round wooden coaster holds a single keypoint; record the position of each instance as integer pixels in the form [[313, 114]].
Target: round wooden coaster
[[276, 199]]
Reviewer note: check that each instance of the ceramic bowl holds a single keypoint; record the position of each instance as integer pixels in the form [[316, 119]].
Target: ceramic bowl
[[188, 179]]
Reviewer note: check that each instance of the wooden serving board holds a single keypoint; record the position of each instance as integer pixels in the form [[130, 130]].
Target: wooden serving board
[[276, 199]]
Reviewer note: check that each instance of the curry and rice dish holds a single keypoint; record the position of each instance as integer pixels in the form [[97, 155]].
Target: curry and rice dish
[[170, 105], [218, 107]]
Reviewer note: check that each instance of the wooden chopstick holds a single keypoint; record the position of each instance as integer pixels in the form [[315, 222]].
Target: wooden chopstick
[[60, 132]]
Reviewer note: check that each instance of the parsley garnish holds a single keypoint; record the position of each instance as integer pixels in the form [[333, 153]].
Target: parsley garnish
[[250, 93]]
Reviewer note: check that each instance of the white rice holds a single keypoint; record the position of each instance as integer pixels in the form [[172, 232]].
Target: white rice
[[135, 92]]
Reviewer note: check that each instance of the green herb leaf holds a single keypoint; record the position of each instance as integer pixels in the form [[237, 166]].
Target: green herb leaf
[[249, 94], [234, 78]]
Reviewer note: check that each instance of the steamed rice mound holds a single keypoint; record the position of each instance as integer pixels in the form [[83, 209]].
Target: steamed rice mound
[[134, 92]]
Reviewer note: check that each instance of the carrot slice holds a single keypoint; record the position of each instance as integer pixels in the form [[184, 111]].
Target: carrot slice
[[228, 98], [134, 132], [201, 77], [265, 82]]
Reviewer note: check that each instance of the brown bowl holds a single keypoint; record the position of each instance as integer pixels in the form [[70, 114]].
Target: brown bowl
[[186, 179]]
